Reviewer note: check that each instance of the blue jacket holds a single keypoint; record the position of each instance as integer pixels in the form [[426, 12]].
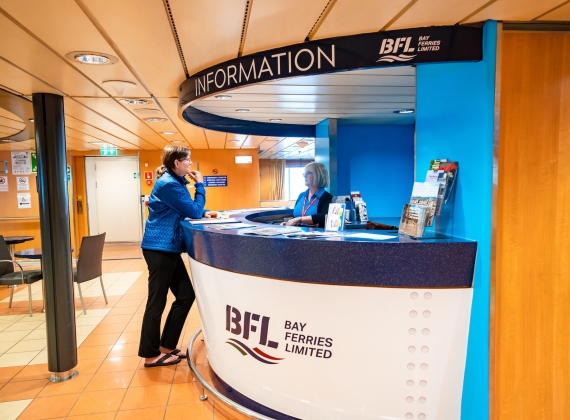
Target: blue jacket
[[169, 203]]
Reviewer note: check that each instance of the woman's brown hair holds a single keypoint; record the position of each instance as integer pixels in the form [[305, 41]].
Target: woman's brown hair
[[169, 155]]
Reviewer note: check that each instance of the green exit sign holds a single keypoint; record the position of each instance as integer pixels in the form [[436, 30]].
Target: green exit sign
[[108, 152]]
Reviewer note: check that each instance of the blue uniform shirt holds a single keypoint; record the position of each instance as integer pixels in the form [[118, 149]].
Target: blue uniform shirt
[[297, 212]]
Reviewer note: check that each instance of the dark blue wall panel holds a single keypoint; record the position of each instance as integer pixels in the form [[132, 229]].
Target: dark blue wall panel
[[378, 161]]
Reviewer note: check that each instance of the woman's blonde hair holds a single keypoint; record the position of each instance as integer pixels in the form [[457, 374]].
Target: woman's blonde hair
[[320, 173], [169, 155]]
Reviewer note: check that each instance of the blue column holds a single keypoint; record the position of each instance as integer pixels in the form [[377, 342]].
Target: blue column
[[326, 150], [455, 111]]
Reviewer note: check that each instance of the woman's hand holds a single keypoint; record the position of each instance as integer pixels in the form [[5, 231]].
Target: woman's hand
[[293, 222], [208, 215], [196, 176]]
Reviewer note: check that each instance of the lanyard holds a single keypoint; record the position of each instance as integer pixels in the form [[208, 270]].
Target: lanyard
[[305, 210]]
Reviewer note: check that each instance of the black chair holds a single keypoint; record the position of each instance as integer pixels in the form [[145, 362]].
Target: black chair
[[11, 278], [89, 263]]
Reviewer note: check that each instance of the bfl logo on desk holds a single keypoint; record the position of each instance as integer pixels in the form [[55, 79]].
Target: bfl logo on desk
[[245, 325]]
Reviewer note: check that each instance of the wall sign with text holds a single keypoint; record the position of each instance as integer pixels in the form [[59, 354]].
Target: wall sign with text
[[216, 181]]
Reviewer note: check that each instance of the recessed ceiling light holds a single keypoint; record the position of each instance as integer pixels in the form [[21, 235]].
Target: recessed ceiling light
[[242, 110], [168, 132], [100, 143], [302, 144], [177, 141], [404, 111], [154, 119], [274, 119], [31, 119], [223, 97], [235, 141], [90, 57], [7, 141], [129, 101]]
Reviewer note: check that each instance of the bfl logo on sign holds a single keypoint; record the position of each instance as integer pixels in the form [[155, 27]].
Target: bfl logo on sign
[[390, 47], [244, 325]]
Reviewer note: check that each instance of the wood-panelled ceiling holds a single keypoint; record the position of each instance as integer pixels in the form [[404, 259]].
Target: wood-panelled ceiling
[[159, 42]]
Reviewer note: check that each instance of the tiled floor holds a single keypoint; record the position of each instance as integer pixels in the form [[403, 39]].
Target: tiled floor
[[112, 383]]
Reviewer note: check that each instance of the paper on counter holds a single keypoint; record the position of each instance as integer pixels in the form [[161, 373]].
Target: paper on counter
[[230, 226], [210, 221], [370, 236]]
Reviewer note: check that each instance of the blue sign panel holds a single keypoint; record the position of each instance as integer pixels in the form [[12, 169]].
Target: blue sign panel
[[216, 181]]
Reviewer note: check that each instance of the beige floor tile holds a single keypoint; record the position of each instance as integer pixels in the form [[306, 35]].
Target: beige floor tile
[[17, 359], [12, 410], [28, 345]]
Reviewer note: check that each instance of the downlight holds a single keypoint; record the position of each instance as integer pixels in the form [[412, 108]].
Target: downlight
[[90, 57], [242, 110], [154, 119], [168, 132], [177, 141], [404, 111], [275, 119], [222, 97], [129, 101]]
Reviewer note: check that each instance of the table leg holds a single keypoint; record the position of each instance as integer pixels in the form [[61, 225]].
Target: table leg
[[12, 249]]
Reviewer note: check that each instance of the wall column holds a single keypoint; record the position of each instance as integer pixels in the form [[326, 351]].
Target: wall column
[[56, 237], [326, 146]]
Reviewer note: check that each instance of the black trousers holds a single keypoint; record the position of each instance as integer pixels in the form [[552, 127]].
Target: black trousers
[[166, 271]]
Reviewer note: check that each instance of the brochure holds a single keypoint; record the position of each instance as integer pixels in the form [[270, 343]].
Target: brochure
[[335, 217], [425, 194], [230, 226], [210, 221], [362, 211], [413, 220]]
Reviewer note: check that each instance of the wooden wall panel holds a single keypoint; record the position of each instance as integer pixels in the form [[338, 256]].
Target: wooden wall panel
[[531, 379]]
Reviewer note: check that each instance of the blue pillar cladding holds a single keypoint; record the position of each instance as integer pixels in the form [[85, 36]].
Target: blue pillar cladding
[[455, 109]]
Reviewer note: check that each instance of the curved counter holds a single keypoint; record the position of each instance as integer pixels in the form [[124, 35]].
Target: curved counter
[[336, 328]]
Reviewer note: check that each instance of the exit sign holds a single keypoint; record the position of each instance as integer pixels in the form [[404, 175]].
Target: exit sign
[[108, 152]]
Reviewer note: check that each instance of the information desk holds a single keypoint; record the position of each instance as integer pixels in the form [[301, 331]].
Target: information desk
[[337, 328]]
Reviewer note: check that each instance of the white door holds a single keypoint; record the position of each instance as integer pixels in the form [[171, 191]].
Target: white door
[[116, 198]]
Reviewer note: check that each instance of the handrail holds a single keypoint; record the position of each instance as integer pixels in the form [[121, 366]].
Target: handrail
[[222, 398], [2, 219]]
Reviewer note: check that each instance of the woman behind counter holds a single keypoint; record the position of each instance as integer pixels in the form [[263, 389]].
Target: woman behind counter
[[312, 205], [163, 243]]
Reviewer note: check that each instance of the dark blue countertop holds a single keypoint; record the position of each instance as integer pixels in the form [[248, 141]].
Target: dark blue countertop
[[433, 261]]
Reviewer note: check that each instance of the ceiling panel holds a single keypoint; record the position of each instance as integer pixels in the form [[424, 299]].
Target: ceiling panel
[[129, 119], [441, 12], [253, 141], [30, 55], [562, 13], [216, 139], [209, 31], [64, 27], [286, 142], [348, 18], [88, 134], [515, 10], [194, 135], [142, 33], [277, 23], [235, 141], [246, 97], [10, 122], [21, 82], [298, 106]]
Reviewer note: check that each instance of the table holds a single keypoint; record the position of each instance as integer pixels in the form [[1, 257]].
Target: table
[[11, 241]]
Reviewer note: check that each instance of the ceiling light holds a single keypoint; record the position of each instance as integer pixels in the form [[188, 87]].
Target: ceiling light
[[154, 119], [235, 141], [129, 101], [90, 57], [177, 141], [31, 119], [302, 144], [274, 119], [99, 143], [146, 110], [7, 141], [404, 111], [119, 86], [242, 110], [223, 97], [168, 132]]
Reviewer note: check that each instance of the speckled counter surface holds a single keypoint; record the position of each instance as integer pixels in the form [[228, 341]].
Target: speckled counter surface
[[434, 261]]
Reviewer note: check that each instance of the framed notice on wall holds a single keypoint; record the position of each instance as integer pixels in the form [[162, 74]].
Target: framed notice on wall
[[21, 163], [3, 184], [24, 201]]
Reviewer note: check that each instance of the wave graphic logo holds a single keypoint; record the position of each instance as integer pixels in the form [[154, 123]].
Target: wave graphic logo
[[255, 352], [250, 326], [390, 46]]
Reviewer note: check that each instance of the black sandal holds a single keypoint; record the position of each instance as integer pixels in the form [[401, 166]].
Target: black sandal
[[175, 353], [161, 361]]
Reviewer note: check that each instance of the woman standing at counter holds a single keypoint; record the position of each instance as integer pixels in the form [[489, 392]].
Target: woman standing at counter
[[312, 205], [162, 245]]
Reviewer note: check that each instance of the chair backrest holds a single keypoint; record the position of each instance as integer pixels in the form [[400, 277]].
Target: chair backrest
[[90, 259], [5, 267]]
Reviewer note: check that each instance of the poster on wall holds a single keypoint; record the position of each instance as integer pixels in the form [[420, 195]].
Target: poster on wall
[[3, 183], [24, 201], [21, 163], [23, 183]]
